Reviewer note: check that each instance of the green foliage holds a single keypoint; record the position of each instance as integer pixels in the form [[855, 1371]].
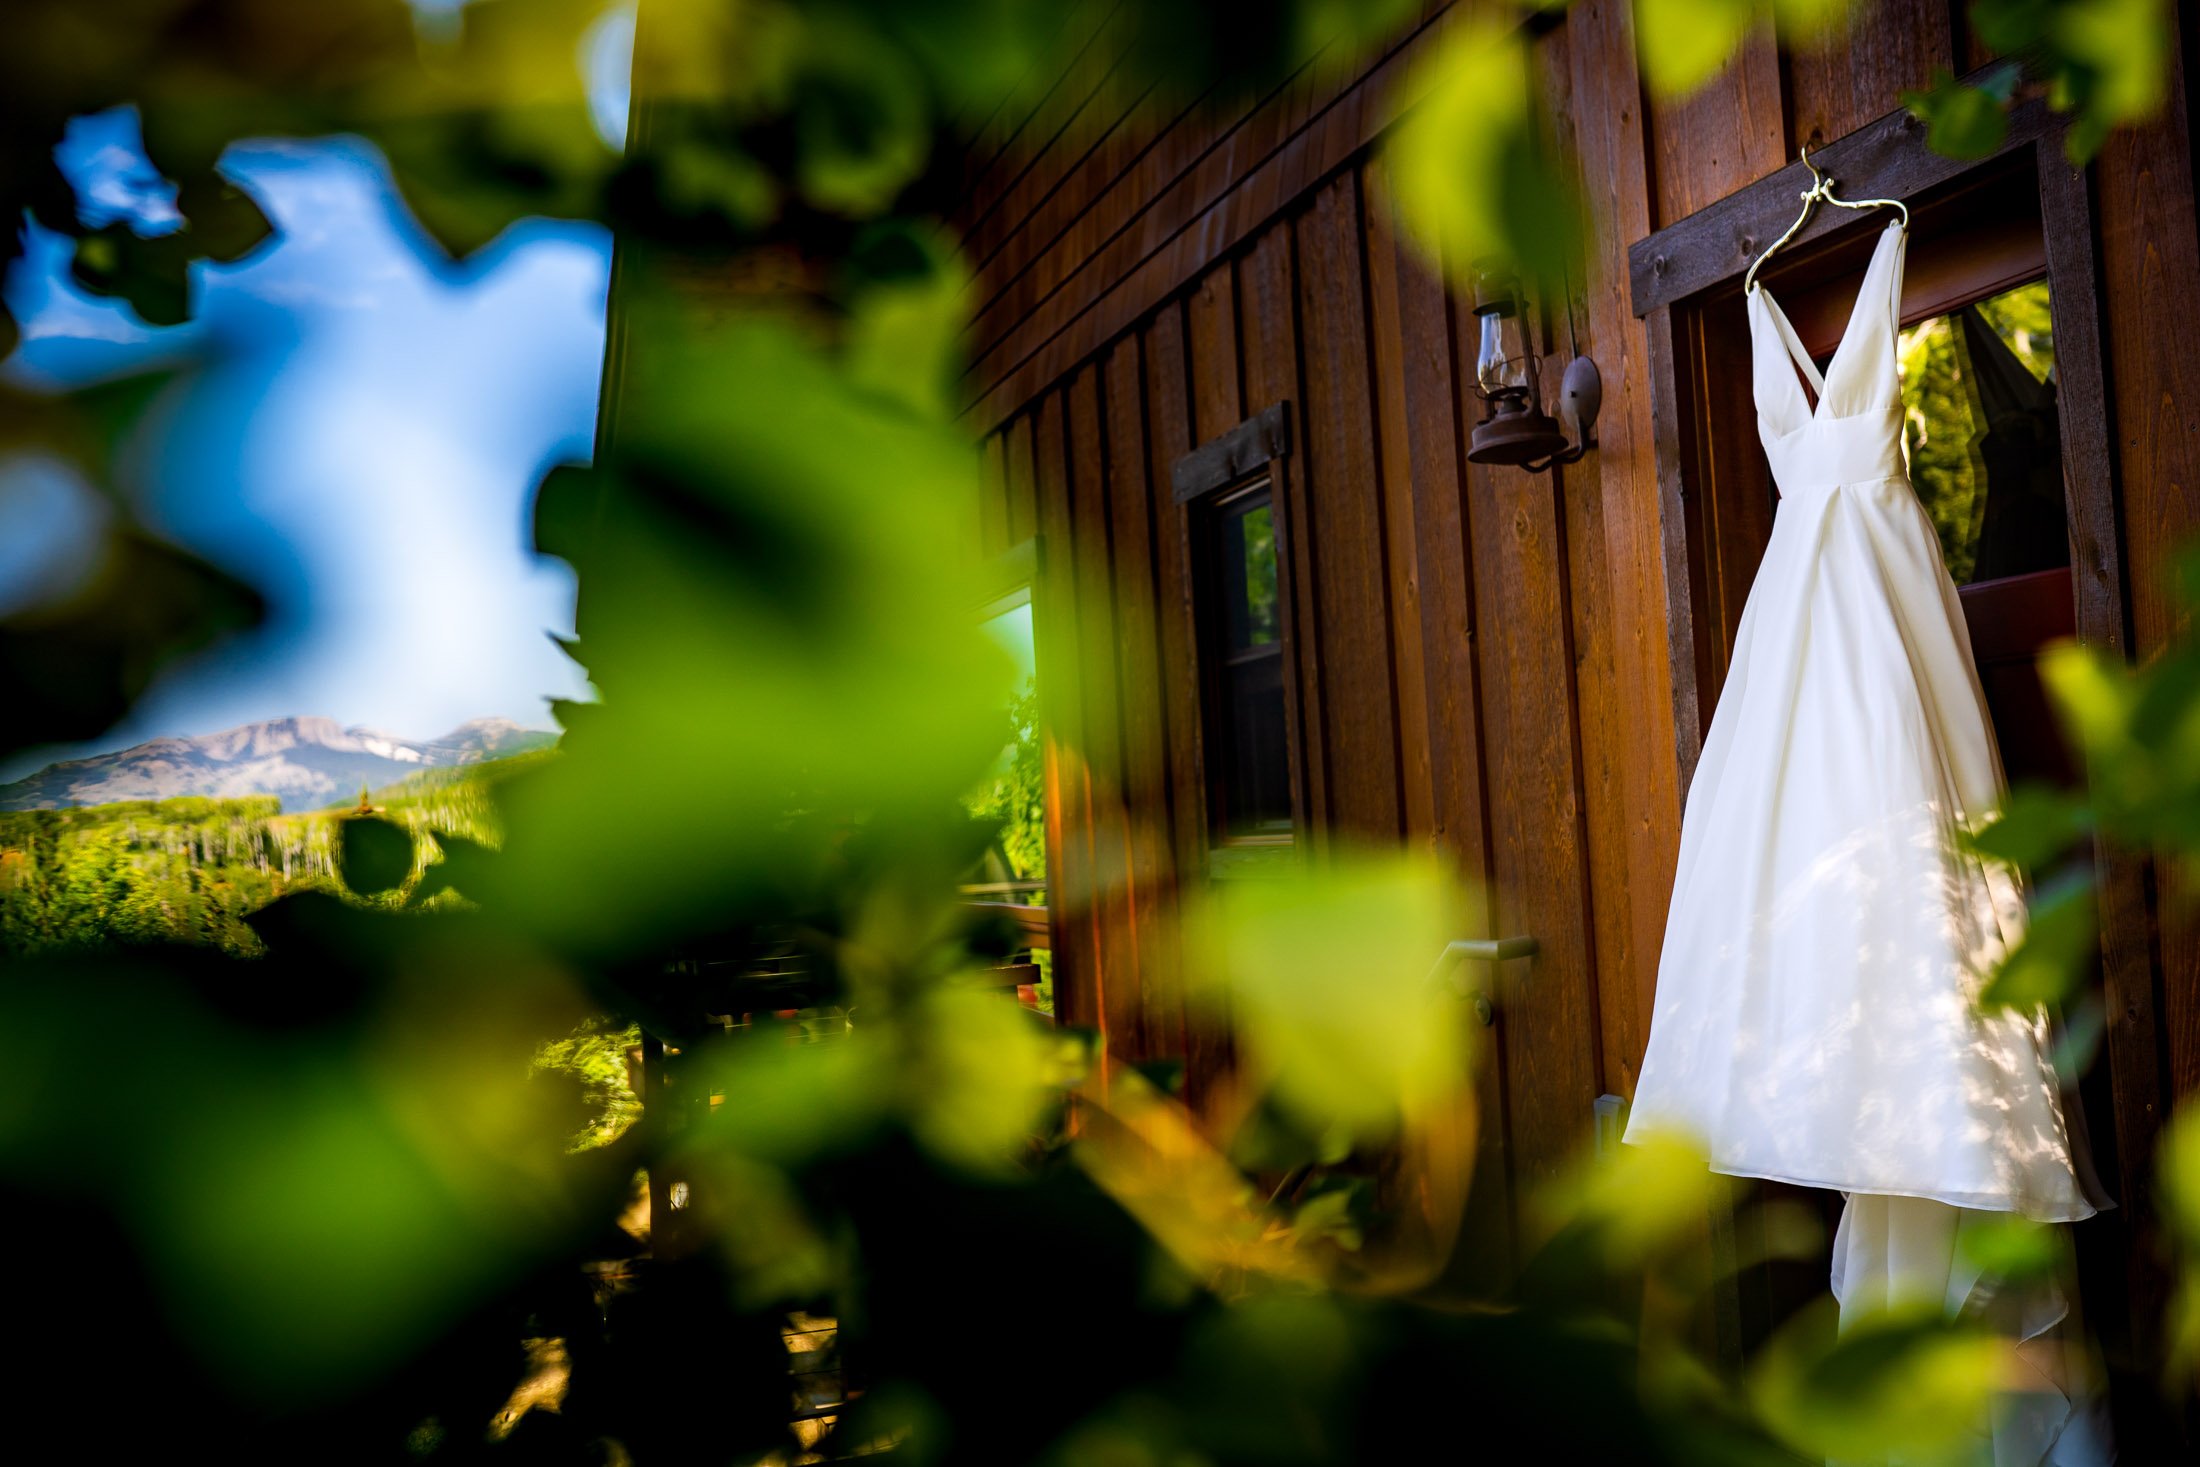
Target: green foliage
[[188, 870], [1964, 120], [595, 1053], [194, 870], [1014, 801]]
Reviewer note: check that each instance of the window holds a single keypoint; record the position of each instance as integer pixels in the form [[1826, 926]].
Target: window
[[1250, 763], [1985, 443], [1009, 883], [1234, 533]]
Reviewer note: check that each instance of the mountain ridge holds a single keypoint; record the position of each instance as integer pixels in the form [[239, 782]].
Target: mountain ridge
[[304, 760]]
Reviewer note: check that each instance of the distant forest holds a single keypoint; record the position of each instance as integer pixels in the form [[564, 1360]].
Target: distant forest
[[192, 869]]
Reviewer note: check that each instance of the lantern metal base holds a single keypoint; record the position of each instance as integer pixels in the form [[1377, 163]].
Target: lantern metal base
[[1515, 438]]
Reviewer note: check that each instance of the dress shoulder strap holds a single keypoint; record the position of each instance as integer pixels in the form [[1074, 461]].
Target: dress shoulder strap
[[1862, 376]]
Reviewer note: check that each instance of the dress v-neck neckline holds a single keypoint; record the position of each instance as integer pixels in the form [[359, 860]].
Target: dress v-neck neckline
[[1793, 343]]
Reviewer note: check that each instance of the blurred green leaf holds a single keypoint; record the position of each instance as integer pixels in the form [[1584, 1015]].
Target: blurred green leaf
[[2120, 49], [2177, 1168], [1642, 1200], [1811, 23], [1466, 169], [1961, 121], [862, 119], [904, 338], [1684, 43], [1329, 978], [2057, 950], [2010, 1248], [2035, 825], [1906, 1382], [374, 855], [774, 606], [2179, 1171]]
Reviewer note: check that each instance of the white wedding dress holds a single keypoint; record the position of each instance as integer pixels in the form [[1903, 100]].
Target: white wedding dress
[[1815, 1020]]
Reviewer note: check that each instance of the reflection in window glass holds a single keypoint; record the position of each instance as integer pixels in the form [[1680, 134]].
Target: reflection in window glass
[[1012, 799], [1985, 445], [1252, 777], [1014, 792], [1249, 572]]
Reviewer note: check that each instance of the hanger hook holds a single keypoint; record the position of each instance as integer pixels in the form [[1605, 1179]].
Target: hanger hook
[[1817, 179]]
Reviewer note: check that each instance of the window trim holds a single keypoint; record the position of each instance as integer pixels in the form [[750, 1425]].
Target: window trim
[[1251, 457]]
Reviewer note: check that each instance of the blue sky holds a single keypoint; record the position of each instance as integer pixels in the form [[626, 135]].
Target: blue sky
[[361, 436]]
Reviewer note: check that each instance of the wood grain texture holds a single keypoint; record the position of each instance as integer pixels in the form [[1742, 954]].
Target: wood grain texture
[[1149, 908], [1169, 438], [1055, 627], [993, 495], [1605, 730], [1268, 332], [1547, 1016], [1113, 973], [1211, 319], [1727, 132], [1424, 395], [1020, 479], [1715, 244], [2150, 266], [2128, 365], [1389, 258], [1667, 412], [1157, 231], [1341, 482], [1884, 47], [1635, 846]]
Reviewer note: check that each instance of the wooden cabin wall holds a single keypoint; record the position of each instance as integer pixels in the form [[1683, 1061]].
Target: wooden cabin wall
[[1489, 661]]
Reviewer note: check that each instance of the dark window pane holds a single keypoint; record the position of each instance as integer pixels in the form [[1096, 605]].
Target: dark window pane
[[1978, 397], [1248, 552], [1258, 794], [1250, 753]]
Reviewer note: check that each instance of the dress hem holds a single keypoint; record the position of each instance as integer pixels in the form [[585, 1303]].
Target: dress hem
[[1978, 1202]]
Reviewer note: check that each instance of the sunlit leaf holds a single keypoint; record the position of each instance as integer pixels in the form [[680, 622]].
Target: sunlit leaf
[[904, 338], [2179, 1170], [1684, 43], [2178, 1167], [988, 1074], [1641, 1200], [2057, 950], [1906, 1381], [1329, 978], [2034, 826], [2092, 693], [1808, 23]]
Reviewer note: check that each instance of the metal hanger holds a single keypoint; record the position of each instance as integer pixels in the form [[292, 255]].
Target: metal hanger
[[1821, 188]]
